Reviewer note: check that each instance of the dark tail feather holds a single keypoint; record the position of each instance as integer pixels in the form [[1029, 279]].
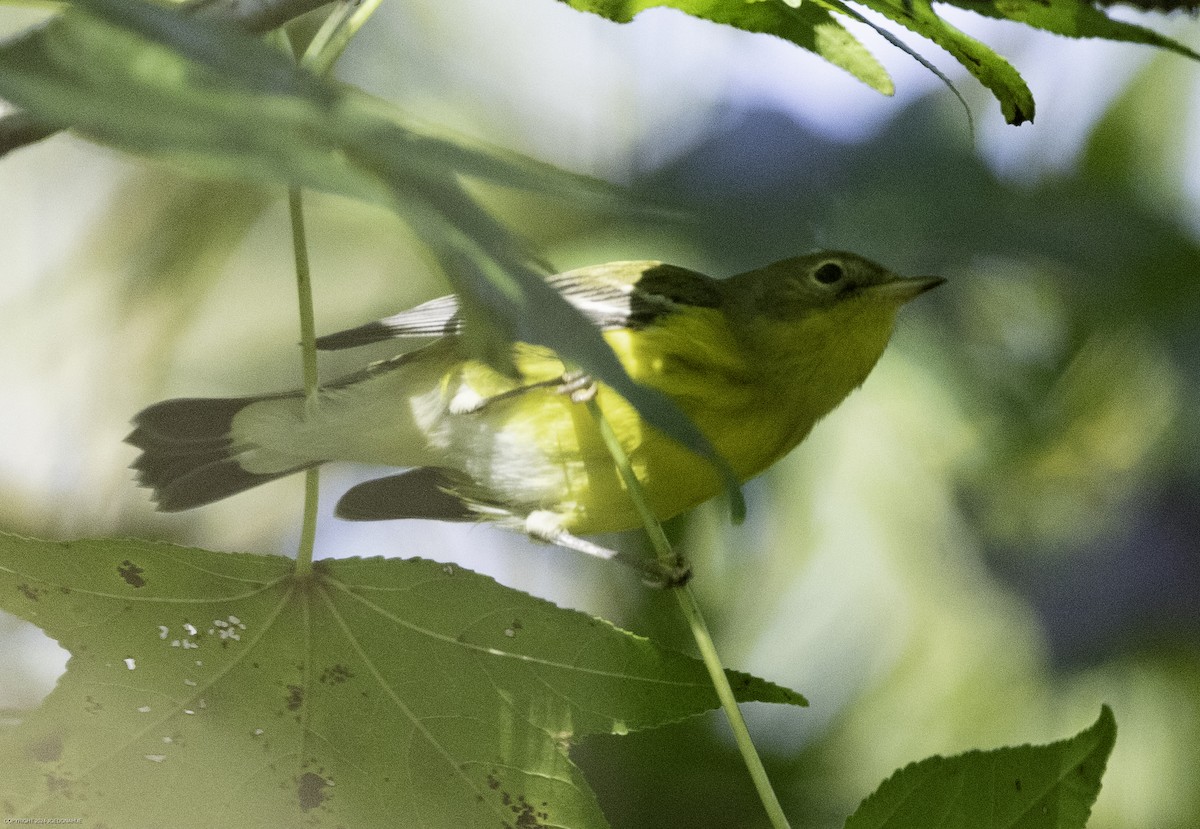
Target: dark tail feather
[[427, 492], [188, 458], [372, 332]]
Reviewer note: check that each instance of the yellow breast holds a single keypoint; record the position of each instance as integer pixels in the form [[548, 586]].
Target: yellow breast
[[754, 397]]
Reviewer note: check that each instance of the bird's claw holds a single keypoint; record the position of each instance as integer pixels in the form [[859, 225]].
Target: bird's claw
[[578, 385], [665, 576]]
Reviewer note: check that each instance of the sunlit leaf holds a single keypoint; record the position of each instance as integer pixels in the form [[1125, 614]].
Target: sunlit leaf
[[1155, 5], [893, 39], [807, 25], [1071, 18], [1024, 787], [220, 689], [993, 71], [810, 26]]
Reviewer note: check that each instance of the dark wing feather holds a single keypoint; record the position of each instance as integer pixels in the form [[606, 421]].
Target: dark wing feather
[[436, 318], [425, 492], [614, 295], [635, 294]]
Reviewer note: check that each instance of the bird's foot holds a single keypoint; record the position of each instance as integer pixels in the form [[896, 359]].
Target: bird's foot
[[579, 385]]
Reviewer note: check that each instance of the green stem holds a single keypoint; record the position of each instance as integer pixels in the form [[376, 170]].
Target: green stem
[[308, 349], [695, 619], [335, 33], [658, 538], [324, 50], [741, 734]]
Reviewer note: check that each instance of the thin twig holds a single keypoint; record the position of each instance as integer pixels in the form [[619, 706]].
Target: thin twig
[[695, 619], [324, 50], [308, 349]]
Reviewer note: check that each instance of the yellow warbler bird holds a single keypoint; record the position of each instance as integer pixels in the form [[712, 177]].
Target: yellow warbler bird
[[754, 360]]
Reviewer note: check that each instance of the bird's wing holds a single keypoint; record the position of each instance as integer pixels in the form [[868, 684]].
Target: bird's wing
[[436, 318], [634, 294], [425, 492], [613, 295]]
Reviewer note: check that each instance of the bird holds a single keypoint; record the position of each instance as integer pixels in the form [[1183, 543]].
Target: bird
[[754, 360]]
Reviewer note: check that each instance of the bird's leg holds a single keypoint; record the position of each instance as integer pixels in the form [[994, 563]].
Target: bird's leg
[[545, 526], [579, 385], [467, 401]]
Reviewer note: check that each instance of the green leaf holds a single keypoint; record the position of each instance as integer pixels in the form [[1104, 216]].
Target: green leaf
[[811, 27], [1025, 787], [807, 25], [906, 49], [219, 689], [993, 71], [1073, 19], [260, 16], [202, 93], [245, 112], [799, 25]]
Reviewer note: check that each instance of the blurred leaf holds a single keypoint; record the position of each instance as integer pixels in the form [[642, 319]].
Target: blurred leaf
[[184, 233], [1141, 143], [1026, 787], [17, 129], [246, 112], [220, 689], [1084, 448], [257, 16], [149, 80], [807, 25]]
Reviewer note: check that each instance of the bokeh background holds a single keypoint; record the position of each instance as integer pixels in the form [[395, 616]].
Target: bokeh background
[[998, 533]]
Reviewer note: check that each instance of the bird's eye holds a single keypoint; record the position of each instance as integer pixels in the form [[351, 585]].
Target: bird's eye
[[829, 273]]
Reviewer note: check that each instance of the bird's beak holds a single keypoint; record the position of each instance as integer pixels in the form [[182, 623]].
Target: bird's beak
[[904, 288]]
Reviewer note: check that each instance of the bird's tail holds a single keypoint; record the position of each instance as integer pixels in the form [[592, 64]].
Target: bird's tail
[[189, 456]]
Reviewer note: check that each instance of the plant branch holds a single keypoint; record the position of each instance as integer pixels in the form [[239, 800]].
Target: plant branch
[[322, 53], [336, 32], [695, 619], [308, 348]]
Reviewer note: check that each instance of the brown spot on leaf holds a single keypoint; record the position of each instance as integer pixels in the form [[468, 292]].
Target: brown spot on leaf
[[310, 790], [29, 591], [46, 750], [131, 574], [58, 785], [295, 697], [527, 816], [335, 675]]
